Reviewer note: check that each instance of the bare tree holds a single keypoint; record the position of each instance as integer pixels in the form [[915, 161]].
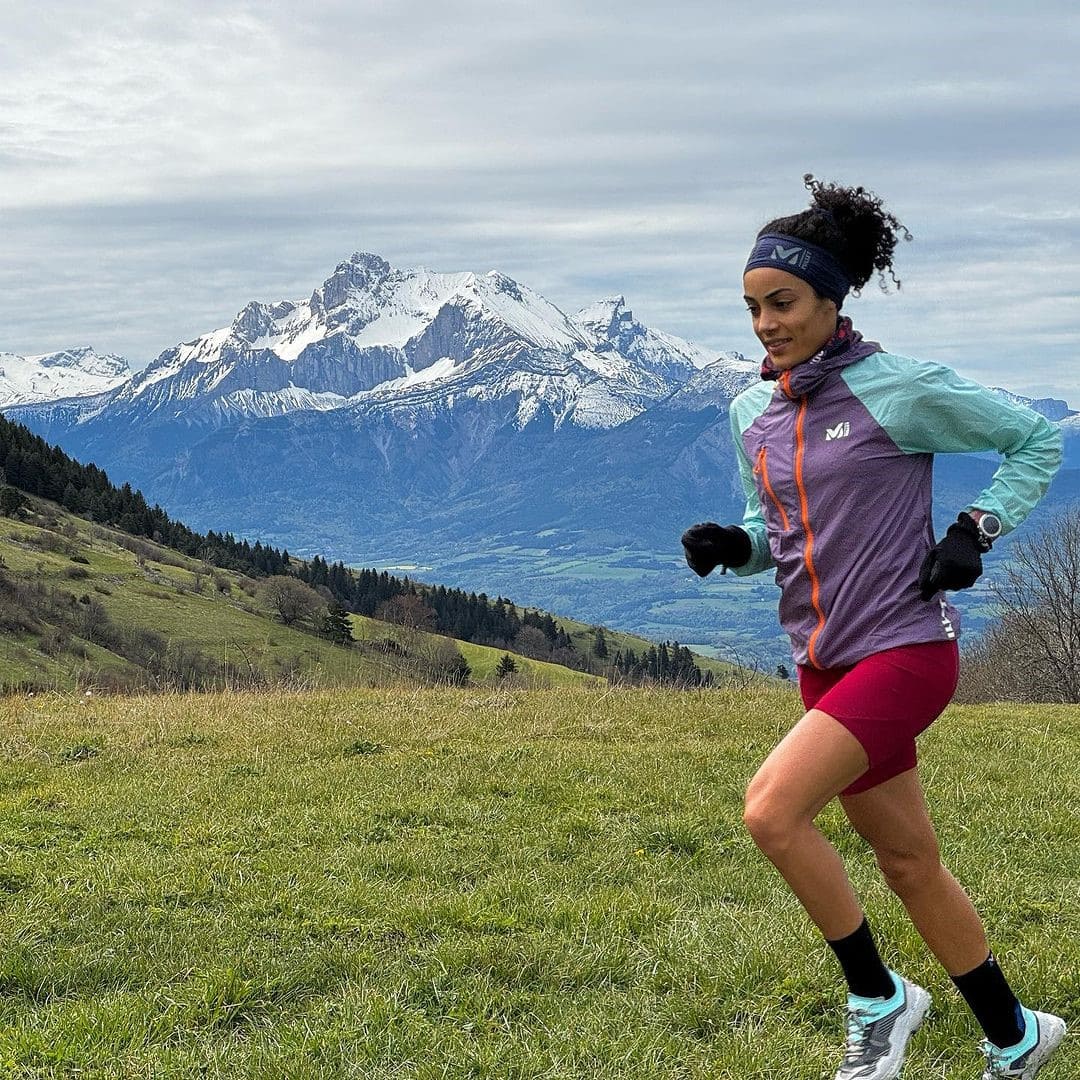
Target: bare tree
[[531, 641], [408, 611], [1032, 652], [447, 665], [291, 599]]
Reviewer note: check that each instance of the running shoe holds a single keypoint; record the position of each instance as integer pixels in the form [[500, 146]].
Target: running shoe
[[878, 1030], [1042, 1035]]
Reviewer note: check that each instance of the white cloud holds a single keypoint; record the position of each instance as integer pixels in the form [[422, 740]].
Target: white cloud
[[163, 165]]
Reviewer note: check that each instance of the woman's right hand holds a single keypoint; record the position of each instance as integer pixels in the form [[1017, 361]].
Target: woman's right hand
[[708, 545]]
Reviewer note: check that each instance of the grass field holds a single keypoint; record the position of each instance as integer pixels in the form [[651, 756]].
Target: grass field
[[478, 884], [216, 613]]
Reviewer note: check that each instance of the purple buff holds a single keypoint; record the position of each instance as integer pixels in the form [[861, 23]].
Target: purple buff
[[808, 261]]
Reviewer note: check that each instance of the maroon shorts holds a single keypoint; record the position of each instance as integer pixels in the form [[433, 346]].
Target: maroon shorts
[[885, 700]]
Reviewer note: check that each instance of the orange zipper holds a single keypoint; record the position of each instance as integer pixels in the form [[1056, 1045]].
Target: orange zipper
[[763, 468], [815, 584]]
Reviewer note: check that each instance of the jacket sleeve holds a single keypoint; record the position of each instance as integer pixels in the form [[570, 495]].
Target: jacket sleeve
[[934, 410], [753, 521]]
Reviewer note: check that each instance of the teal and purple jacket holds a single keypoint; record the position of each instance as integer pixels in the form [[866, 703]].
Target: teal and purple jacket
[[836, 459]]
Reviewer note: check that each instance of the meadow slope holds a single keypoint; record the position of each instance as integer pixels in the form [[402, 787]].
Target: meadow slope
[[100, 608], [521, 885]]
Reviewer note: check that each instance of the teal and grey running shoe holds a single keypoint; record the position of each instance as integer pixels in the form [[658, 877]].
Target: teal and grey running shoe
[[1042, 1035], [878, 1030]]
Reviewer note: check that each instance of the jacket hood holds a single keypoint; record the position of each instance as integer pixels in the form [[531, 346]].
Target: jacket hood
[[846, 347]]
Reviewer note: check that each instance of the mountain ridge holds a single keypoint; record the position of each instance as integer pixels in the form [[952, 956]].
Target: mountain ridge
[[74, 372], [513, 443]]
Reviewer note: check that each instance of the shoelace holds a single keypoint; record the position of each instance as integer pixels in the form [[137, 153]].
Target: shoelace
[[858, 1020], [996, 1062]]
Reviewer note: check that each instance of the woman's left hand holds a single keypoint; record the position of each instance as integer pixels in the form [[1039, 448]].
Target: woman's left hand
[[954, 562]]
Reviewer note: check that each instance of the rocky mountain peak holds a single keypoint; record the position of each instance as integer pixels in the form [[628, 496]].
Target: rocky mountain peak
[[361, 272], [85, 358], [254, 322], [506, 285], [605, 319], [373, 337]]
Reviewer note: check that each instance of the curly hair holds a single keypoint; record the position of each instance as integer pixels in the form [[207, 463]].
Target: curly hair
[[851, 223]]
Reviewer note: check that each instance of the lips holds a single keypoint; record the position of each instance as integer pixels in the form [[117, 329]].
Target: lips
[[779, 343]]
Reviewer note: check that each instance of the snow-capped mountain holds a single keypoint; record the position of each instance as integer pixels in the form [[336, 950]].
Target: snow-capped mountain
[[464, 423], [1058, 411], [375, 339], [716, 384], [1052, 408], [80, 372]]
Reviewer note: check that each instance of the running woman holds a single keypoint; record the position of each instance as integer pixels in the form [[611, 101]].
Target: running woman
[[835, 448]]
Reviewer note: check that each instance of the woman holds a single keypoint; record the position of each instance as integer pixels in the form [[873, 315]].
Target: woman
[[835, 449]]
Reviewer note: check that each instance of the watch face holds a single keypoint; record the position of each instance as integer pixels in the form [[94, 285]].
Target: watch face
[[990, 525]]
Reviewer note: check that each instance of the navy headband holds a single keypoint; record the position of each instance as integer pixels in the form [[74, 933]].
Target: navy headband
[[807, 261]]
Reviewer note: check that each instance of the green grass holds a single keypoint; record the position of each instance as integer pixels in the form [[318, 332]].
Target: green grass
[[484, 659], [477, 883], [221, 615]]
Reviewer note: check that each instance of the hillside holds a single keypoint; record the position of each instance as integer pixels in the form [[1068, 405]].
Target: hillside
[[212, 626], [85, 605], [322, 593]]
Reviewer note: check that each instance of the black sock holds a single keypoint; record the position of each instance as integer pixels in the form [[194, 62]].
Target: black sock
[[991, 999], [866, 975]]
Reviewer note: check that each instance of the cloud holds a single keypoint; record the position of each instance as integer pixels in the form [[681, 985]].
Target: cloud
[[165, 165]]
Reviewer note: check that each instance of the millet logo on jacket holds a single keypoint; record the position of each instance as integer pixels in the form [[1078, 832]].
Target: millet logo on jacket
[[841, 431]]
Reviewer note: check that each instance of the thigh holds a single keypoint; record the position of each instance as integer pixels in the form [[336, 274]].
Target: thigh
[[810, 766], [893, 817], [889, 698]]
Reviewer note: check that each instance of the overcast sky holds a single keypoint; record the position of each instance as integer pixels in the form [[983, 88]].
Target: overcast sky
[[163, 164]]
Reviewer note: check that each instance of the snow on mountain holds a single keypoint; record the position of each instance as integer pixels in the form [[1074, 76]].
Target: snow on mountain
[[624, 350], [1051, 408], [79, 372], [376, 338], [716, 384], [559, 384], [610, 325]]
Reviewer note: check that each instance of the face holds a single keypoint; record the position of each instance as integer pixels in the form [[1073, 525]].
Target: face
[[790, 319]]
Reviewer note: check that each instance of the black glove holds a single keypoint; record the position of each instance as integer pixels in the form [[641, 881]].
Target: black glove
[[952, 563], [707, 545]]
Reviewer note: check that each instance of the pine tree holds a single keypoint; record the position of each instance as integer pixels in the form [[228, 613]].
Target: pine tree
[[335, 624], [11, 500]]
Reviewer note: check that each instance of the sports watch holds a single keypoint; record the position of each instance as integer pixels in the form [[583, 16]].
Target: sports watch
[[988, 526]]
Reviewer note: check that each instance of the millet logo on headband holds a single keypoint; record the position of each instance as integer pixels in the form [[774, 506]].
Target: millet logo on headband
[[814, 264], [793, 256]]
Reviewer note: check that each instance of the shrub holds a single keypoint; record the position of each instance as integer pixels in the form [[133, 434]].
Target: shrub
[[1032, 652], [291, 600]]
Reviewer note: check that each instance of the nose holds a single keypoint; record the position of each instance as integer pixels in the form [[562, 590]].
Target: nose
[[765, 323]]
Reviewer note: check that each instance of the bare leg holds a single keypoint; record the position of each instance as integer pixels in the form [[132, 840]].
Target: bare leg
[[815, 761], [894, 821]]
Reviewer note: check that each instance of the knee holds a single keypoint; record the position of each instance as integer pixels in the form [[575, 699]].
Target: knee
[[768, 819], [908, 872]]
